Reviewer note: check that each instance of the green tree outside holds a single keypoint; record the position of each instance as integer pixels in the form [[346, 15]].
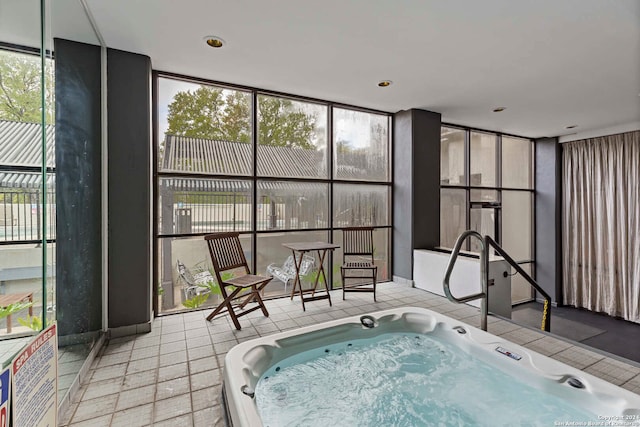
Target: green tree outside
[[211, 113], [20, 88]]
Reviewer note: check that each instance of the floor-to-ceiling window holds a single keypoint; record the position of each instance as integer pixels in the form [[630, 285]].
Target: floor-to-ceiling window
[[275, 168], [27, 202], [486, 184]]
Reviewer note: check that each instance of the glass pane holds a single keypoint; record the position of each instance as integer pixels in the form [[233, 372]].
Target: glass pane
[[452, 156], [193, 285], [483, 159], [516, 163], [381, 256], [203, 129], [272, 255], [484, 222], [361, 149], [191, 205], [21, 208], [292, 205], [521, 290], [517, 224], [23, 224], [360, 205], [292, 138], [453, 215], [489, 196]]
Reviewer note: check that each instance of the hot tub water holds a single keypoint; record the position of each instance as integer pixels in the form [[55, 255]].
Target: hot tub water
[[401, 379]]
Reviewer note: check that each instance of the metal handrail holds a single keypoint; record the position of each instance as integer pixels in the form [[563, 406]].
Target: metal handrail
[[484, 276], [546, 315]]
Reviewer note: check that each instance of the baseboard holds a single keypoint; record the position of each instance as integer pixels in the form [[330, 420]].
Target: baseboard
[[65, 403], [402, 281], [123, 331]]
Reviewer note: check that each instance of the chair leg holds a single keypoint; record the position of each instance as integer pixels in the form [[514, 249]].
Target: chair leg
[[260, 302], [343, 284], [234, 318], [227, 303], [375, 277]]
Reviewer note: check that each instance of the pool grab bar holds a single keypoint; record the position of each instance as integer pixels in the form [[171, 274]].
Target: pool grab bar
[[484, 267], [485, 243]]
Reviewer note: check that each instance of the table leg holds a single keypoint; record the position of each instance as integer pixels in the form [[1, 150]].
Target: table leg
[[296, 281], [9, 324], [321, 255]]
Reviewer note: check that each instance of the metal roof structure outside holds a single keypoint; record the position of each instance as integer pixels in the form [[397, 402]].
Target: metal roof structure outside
[[187, 155], [21, 147]]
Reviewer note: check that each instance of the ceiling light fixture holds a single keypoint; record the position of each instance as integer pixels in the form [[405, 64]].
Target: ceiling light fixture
[[571, 126], [499, 109], [385, 83], [214, 41]]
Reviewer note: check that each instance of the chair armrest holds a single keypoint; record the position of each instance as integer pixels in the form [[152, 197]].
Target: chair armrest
[[271, 268]]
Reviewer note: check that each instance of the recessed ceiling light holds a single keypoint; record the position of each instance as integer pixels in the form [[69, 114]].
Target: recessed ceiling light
[[499, 109], [571, 126], [214, 41], [385, 83]]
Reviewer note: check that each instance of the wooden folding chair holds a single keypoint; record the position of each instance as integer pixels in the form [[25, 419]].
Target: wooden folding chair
[[226, 254], [357, 256]]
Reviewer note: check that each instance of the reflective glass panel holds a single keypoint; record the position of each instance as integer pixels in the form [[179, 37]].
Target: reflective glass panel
[[453, 215], [517, 163], [484, 222], [194, 205], [292, 138], [292, 205], [452, 155], [203, 129], [517, 224], [361, 145], [482, 160], [360, 205]]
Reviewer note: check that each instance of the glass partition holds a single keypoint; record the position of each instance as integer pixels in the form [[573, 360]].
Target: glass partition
[[487, 185], [27, 208]]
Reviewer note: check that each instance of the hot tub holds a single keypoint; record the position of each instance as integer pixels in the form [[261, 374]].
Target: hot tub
[[410, 366]]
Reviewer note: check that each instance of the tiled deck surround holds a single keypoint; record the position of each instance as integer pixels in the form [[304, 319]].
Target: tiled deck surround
[[172, 375]]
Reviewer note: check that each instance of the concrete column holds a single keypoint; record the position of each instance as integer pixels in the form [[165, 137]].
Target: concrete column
[[130, 190], [416, 187], [78, 189], [548, 209]]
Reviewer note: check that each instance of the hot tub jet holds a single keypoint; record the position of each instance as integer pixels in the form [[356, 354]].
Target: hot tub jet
[[368, 321]]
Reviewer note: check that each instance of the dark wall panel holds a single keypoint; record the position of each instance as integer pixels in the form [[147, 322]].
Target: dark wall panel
[[416, 188], [548, 208], [426, 179], [129, 107], [78, 188]]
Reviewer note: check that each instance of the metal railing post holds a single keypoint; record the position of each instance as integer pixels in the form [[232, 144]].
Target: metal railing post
[[484, 276]]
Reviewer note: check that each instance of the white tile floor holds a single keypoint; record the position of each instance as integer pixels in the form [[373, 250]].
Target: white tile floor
[[172, 375]]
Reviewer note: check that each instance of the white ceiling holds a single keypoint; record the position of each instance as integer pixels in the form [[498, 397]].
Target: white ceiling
[[552, 63]]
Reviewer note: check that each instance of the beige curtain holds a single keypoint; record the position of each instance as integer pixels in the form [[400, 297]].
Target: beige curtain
[[601, 220]]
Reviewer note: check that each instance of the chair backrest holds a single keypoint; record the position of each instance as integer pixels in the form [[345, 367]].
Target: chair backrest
[[226, 252], [185, 274], [289, 267], [357, 241]]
